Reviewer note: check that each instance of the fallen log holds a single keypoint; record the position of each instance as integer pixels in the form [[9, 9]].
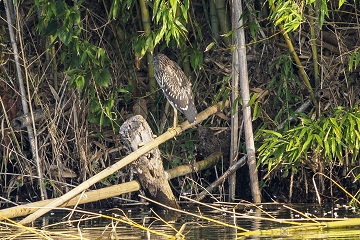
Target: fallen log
[[112, 191]]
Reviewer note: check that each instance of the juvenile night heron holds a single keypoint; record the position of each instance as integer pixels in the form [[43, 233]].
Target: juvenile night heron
[[175, 86]]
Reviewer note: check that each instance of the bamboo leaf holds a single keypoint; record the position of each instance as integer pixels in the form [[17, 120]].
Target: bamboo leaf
[[252, 99], [351, 61], [323, 12], [210, 46], [327, 149], [302, 132], [336, 128], [80, 82], [273, 133], [341, 2], [102, 77], [333, 147], [256, 112], [319, 140], [156, 12], [357, 59], [307, 142]]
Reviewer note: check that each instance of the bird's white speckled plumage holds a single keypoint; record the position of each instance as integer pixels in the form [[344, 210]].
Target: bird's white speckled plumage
[[175, 85]]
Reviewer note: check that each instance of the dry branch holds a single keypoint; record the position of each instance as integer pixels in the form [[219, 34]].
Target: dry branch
[[221, 179], [125, 161]]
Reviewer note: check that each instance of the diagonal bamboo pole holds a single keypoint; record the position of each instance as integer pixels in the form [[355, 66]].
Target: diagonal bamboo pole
[[299, 65], [125, 161], [301, 68]]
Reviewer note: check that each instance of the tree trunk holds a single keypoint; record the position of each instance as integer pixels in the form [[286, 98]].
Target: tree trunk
[[136, 132]]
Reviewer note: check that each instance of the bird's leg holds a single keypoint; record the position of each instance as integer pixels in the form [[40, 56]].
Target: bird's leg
[[175, 118], [175, 122]]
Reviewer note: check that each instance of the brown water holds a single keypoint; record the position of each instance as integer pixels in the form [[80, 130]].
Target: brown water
[[250, 218]]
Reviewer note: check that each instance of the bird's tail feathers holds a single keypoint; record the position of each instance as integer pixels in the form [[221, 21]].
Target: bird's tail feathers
[[191, 112]]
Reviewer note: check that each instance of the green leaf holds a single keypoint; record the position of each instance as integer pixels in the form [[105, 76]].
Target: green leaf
[[196, 59], [227, 34], [83, 58], [252, 99], [307, 142], [102, 78], [302, 133], [108, 107], [336, 128], [323, 12], [341, 2], [256, 111], [327, 149], [80, 82], [122, 90], [156, 12], [332, 144], [100, 54], [115, 5], [351, 61], [210, 46], [160, 35], [319, 140], [285, 173], [273, 133], [180, 25], [173, 4], [95, 106], [357, 59]]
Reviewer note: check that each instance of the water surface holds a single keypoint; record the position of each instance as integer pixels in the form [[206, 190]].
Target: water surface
[[199, 222]]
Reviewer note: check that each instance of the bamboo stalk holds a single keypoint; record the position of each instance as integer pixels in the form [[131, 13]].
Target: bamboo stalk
[[304, 228], [234, 97], [55, 65], [197, 166], [297, 61], [299, 65], [30, 128], [245, 95], [145, 17], [214, 20], [314, 50], [223, 13]]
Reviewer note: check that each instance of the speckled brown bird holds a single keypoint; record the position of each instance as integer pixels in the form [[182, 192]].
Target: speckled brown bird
[[175, 86]]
